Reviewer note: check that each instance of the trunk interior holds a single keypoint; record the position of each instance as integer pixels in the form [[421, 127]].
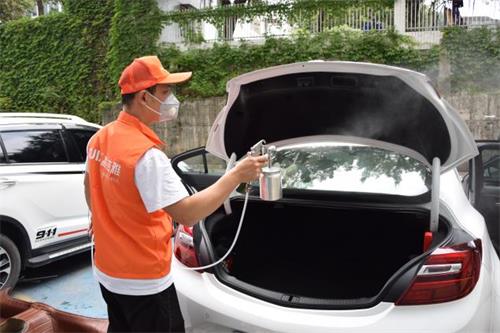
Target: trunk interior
[[307, 250]]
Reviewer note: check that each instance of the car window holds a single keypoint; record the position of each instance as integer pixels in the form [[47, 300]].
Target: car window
[[209, 164], [491, 166], [34, 146], [216, 165], [81, 138], [351, 168]]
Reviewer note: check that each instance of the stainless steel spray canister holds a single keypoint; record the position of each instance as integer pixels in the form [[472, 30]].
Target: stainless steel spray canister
[[270, 179]]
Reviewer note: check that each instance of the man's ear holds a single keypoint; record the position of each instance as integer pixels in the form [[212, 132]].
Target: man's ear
[[141, 96]]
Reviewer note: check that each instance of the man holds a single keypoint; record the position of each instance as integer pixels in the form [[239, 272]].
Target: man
[[134, 195], [455, 5]]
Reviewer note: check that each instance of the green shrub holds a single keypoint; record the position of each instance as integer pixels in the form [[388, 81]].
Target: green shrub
[[474, 56]]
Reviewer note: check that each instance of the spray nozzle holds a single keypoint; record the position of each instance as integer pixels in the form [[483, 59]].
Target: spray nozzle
[[271, 152], [258, 148]]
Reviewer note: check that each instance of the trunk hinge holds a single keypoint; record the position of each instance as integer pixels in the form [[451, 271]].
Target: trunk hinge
[[436, 174]]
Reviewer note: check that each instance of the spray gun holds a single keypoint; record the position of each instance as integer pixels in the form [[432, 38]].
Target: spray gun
[[270, 190], [258, 148], [270, 178]]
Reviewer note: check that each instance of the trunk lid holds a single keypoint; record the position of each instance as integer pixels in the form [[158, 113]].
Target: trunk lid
[[359, 102]]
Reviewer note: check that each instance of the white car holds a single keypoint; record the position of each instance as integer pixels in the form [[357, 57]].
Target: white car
[[374, 232], [43, 214]]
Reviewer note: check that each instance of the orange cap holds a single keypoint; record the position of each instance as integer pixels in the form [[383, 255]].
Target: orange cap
[[146, 72]]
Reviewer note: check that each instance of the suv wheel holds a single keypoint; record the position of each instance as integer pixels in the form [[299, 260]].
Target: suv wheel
[[10, 263]]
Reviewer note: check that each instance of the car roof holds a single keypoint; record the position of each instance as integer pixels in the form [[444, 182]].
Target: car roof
[[27, 118]]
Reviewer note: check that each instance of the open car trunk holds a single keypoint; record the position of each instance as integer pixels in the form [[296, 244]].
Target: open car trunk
[[304, 253]]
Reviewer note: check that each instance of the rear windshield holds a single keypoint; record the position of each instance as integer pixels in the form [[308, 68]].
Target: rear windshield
[[351, 168]]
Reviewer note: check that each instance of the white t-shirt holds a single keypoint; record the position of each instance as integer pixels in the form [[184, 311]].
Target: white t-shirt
[[159, 186]]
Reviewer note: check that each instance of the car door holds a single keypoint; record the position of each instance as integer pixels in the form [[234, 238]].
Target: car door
[[198, 169], [46, 184], [485, 185], [76, 137]]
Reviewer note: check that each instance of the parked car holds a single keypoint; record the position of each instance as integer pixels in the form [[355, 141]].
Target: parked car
[[43, 214], [374, 232], [482, 186]]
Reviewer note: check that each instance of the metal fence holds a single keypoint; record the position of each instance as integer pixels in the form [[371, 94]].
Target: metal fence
[[423, 20], [437, 14], [363, 17]]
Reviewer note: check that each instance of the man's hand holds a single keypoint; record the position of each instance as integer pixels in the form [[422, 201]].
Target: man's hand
[[249, 168], [190, 210]]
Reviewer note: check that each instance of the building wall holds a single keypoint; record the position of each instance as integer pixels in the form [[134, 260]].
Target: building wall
[[481, 112]]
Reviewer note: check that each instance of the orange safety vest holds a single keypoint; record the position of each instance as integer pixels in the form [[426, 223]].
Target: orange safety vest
[[130, 243]]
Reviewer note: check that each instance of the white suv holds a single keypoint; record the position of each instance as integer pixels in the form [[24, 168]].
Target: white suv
[[43, 214]]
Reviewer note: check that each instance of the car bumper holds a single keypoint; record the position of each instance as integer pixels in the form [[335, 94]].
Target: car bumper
[[210, 306]]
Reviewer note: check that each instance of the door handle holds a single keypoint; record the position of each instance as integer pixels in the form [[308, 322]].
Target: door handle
[[6, 183]]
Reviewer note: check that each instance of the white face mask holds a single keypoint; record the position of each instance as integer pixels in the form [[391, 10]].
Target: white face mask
[[169, 108]]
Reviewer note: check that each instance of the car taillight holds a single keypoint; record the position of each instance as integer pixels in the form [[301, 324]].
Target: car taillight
[[449, 273], [184, 246]]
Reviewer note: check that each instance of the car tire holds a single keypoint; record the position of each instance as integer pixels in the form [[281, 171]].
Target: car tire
[[10, 263]]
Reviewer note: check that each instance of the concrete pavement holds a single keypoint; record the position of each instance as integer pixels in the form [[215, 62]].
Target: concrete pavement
[[67, 285]]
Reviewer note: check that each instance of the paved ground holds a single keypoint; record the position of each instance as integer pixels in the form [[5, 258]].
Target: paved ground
[[67, 285]]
